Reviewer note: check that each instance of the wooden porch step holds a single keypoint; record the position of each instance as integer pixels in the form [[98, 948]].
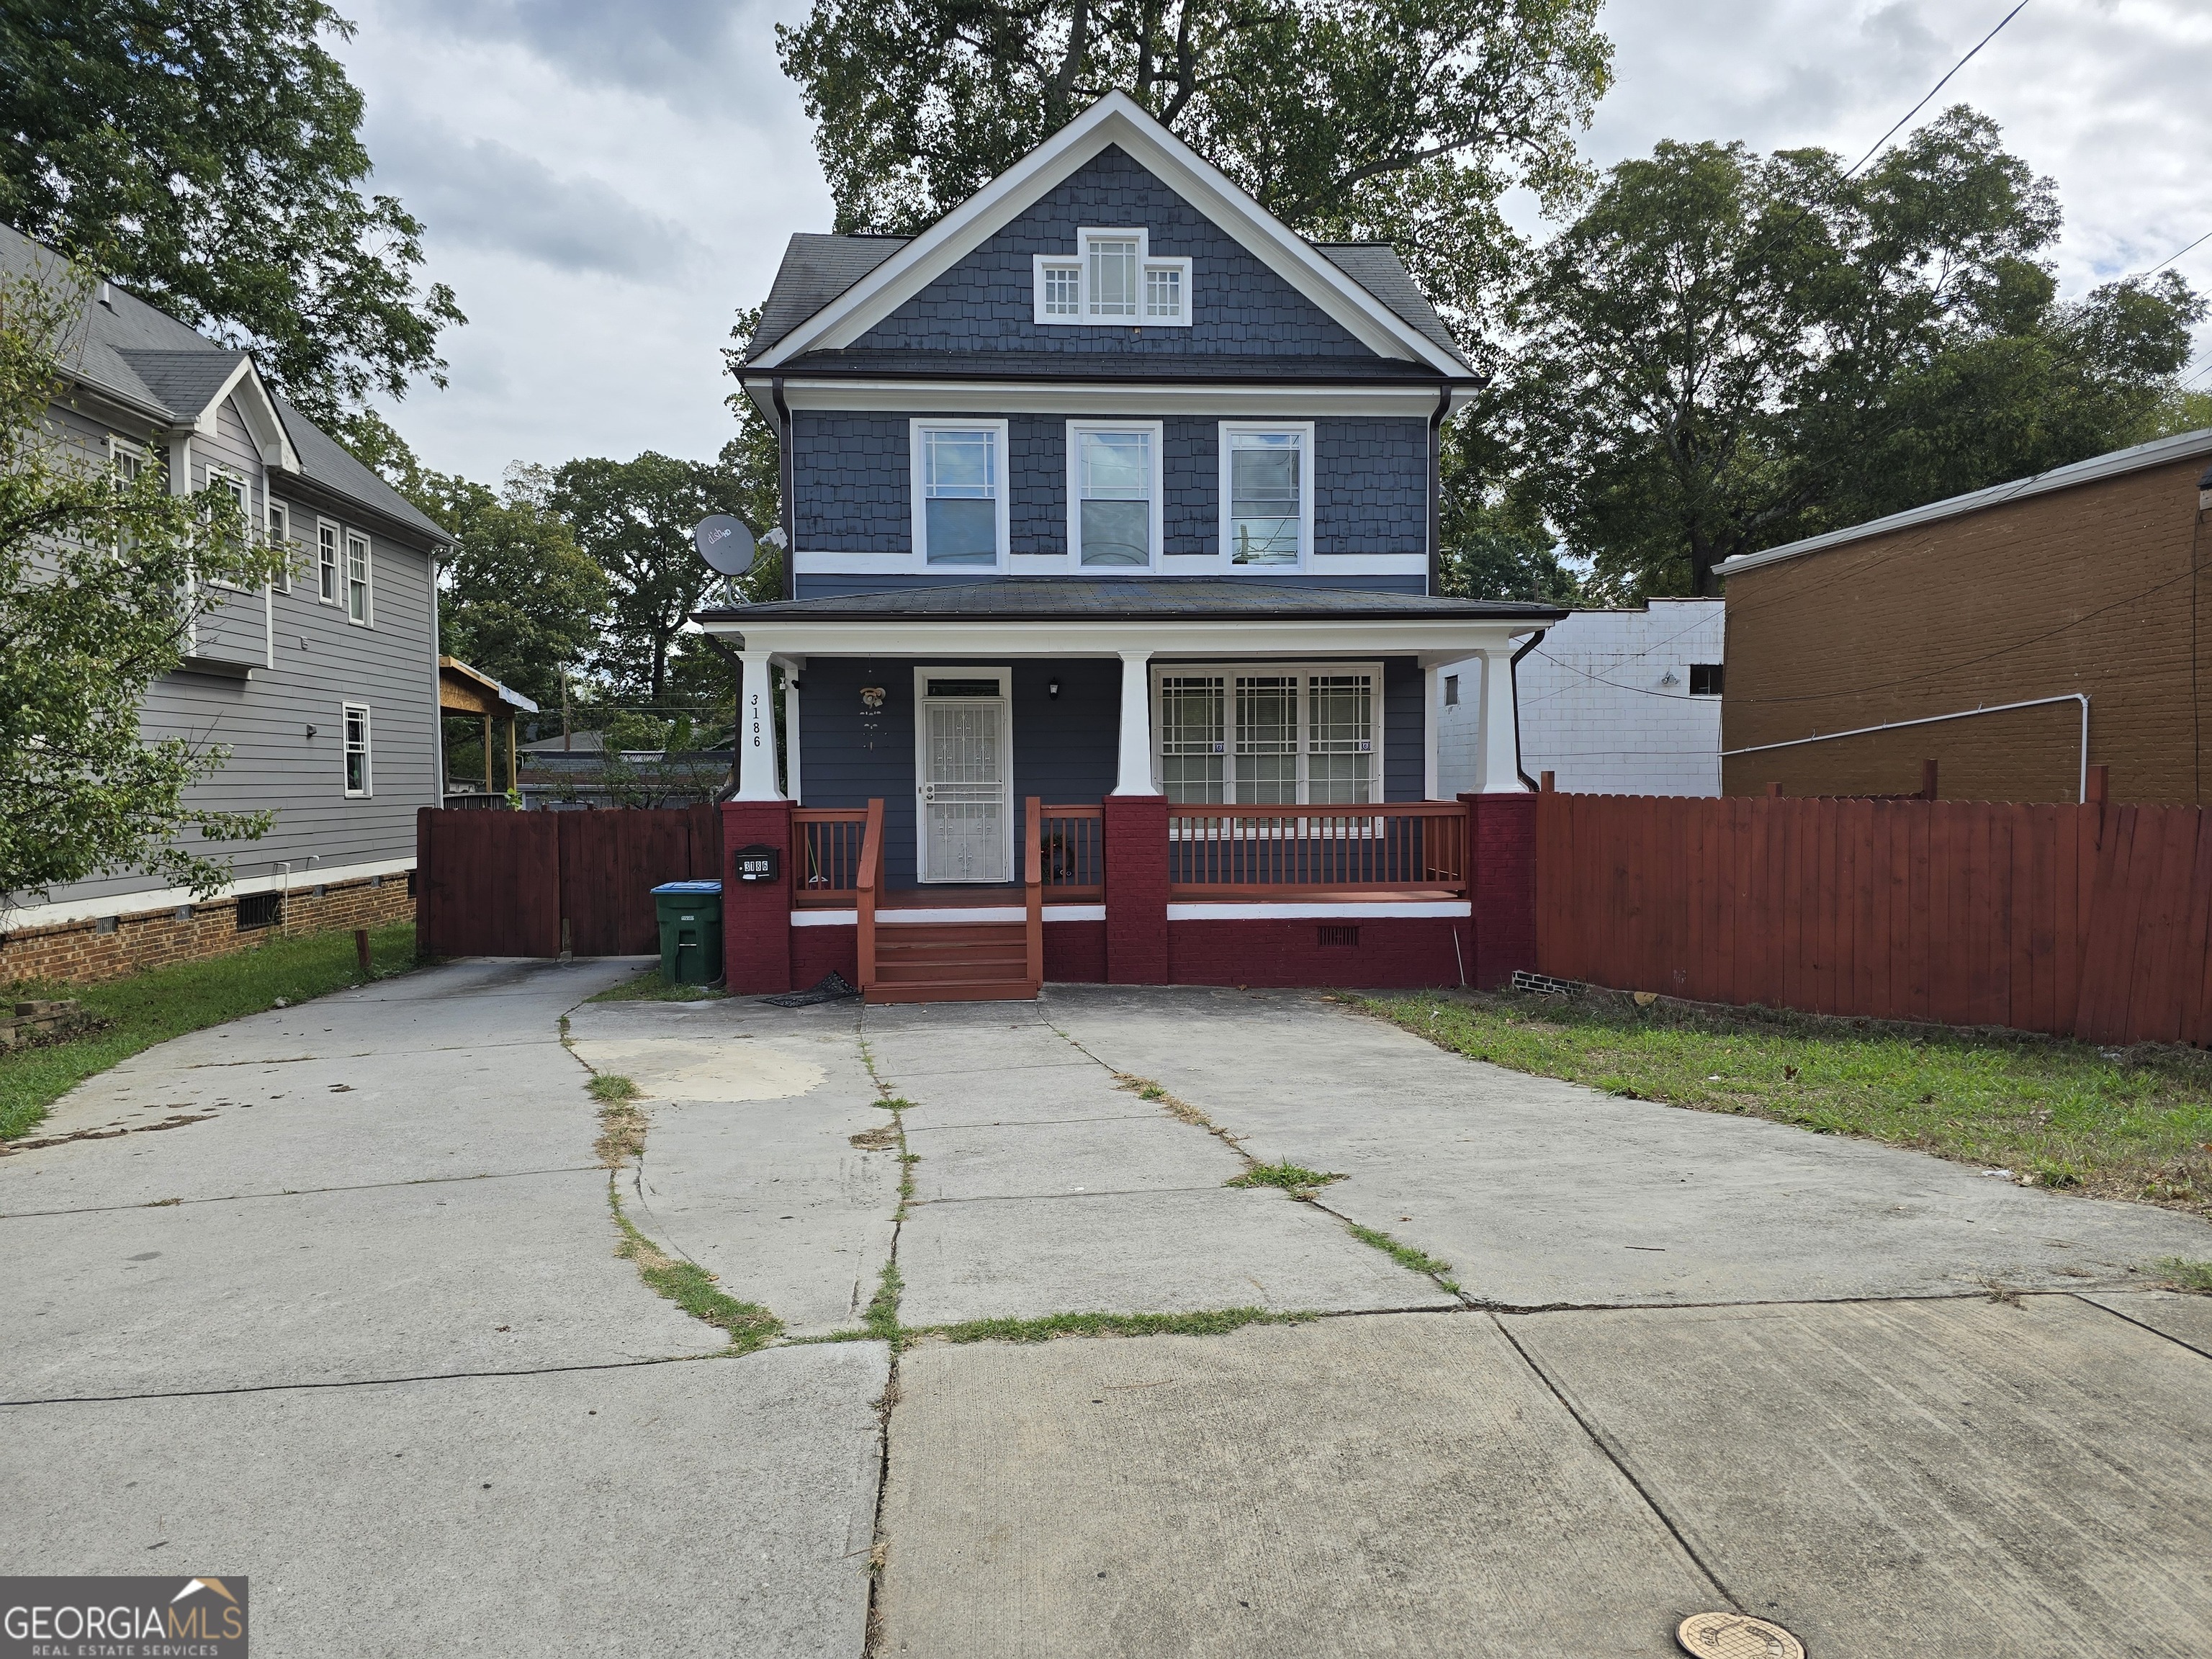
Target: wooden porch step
[[955, 991], [951, 962]]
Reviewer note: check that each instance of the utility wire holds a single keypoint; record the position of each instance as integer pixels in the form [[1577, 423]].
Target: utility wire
[[1937, 88], [2171, 257]]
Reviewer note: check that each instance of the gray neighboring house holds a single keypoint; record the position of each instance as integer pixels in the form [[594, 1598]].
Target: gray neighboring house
[[324, 688]]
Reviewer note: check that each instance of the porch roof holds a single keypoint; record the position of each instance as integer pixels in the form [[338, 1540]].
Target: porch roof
[[1139, 616]]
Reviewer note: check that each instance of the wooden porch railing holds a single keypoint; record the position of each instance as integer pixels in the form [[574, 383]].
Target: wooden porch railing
[[827, 870], [868, 876], [1074, 851], [1033, 893], [1247, 852]]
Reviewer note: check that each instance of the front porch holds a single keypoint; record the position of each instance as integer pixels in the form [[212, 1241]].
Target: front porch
[[1217, 792]]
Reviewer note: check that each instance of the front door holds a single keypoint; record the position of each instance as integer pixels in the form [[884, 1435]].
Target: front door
[[965, 814]]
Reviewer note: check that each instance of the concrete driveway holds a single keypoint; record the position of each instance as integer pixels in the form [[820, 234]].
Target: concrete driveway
[[1545, 1372]]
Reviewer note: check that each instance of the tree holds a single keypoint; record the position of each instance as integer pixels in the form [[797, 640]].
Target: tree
[[1727, 351], [1402, 120], [206, 153], [101, 577], [633, 520], [520, 600]]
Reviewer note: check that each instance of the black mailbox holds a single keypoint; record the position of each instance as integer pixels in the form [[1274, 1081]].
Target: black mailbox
[[759, 863]]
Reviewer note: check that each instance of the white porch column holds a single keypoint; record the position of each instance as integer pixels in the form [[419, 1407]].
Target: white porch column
[[1497, 757], [755, 731], [1432, 699], [1134, 776], [791, 666]]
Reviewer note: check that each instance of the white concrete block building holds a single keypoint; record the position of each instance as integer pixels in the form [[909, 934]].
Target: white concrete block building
[[1612, 702]]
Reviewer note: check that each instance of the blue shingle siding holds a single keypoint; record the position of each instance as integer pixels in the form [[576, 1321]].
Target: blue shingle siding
[[1403, 751], [1237, 305], [853, 484]]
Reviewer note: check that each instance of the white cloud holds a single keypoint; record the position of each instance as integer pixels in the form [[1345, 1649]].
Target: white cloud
[[605, 185]]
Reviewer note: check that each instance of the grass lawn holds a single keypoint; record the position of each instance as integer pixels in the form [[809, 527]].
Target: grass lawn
[[150, 1008], [2118, 1124]]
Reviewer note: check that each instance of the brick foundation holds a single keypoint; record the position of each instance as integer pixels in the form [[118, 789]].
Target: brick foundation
[[1136, 838], [1502, 833], [757, 947], [1381, 951], [81, 953]]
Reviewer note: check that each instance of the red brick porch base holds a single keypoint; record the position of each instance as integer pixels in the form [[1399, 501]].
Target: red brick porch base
[[757, 930], [1136, 838], [1503, 835], [82, 953]]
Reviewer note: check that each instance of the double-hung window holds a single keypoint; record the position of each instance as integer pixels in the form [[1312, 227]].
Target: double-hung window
[[278, 528], [232, 488], [326, 561], [960, 493], [360, 600], [1114, 494], [353, 723], [1266, 494], [1267, 734], [1113, 279]]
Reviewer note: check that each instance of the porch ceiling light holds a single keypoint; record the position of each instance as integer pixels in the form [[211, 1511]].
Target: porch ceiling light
[[1052, 686]]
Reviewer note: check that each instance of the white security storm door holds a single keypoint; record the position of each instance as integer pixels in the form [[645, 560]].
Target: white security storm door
[[965, 817]]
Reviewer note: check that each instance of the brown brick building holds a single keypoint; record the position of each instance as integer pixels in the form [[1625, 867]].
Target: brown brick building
[[1855, 655]]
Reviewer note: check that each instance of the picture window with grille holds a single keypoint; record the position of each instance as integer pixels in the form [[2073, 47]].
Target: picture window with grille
[[1266, 735]]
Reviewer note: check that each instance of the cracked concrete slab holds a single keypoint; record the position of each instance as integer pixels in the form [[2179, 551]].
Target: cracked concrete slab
[[1397, 1485], [1141, 1252], [1585, 1199], [705, 1509], [504, 1273], [1946, 1477], [2186, 1318], [1036, 1160]]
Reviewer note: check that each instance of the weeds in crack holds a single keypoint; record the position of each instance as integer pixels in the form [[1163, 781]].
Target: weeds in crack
[[1406, 1255], [749, 1326], [1145, 1089], [880, 1318], [2179, 1274], [881, 1138], [1219, 1322], [1294, 1179]]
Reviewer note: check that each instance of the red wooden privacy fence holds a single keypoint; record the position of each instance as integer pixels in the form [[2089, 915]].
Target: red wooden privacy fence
[[2091, 921], [504, 883]]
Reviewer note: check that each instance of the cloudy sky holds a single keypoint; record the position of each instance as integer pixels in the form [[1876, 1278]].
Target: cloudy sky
[[605, 184]]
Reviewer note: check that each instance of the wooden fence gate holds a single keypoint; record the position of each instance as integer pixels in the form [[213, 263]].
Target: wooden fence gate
[[2093, 921], [506, 884]]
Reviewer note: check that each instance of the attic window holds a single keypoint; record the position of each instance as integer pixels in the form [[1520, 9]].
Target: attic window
[[1112, 280]]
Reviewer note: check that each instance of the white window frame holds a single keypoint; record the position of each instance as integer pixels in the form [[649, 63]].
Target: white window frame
[[917, 484], [1229, 432], [1075, 429], [277, 528], [330, 560], [923, 675], [1080, 259], [218, 476], [1229, 673], [367, 618], [126, 457], [367, 751]]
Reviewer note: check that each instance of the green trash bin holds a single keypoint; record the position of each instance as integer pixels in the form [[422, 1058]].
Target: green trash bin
[[690, 914]]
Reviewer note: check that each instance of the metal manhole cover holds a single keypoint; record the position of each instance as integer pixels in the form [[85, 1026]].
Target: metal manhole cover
[[1736, 1636]]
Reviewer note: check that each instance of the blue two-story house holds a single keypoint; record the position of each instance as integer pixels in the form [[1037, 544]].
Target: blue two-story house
[[1111, 641]]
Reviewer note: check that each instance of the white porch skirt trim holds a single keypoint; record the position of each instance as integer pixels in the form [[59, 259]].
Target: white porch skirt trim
[[1331, 910], [961, 913]]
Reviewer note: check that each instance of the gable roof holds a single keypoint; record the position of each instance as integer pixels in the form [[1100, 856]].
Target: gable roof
[[854, 295], [2183, 446], [146, 361]]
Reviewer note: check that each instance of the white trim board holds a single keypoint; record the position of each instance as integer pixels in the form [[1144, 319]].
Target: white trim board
[[1115, 120], [1056, 564], [56, 913], [1320, 909], [951, 913], [1286, 397], [1432, 640]]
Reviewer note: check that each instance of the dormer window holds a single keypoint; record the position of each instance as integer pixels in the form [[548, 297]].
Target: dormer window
[[1113, 280]]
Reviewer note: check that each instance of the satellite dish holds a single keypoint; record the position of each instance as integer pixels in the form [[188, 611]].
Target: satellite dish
[[725, 544]]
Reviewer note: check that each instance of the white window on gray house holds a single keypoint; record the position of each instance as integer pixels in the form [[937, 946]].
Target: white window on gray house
[[326, 564], [279, 531], [1267, 508], [1451, 690], [1112, 278], [237, 491], [353, 724], [126, 459], [960, 492], [1116, 489], [1273, 735], [360, 601]]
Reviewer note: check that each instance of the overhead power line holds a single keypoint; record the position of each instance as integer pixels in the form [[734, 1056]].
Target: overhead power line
[[2177, 253], [1937, 88]]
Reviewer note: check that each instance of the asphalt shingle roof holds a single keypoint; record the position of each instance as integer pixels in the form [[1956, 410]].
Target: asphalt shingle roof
[[1036, 598], [815, 269], [149, 359]]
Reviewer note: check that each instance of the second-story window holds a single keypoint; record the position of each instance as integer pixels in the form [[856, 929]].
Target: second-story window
[[1113, 485], [960, 494], [1112, 279], [279, 531], [326, 564], [360, 601], [1266, 496]]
